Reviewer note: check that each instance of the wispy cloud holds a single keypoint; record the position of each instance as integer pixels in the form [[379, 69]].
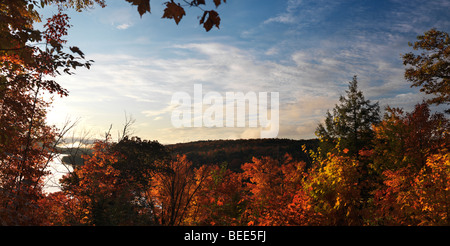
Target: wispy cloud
[[159, 112], [123, 26], [305, 50], [287, 17], [304, 13], [308, 85]]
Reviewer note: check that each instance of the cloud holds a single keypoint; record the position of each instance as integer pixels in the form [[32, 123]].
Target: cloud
[[415, 17], [123, 26], [308, 84], [159, 112], [304, 13], [287, 17]]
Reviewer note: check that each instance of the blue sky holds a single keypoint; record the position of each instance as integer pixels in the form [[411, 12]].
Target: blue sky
[[305, 50]]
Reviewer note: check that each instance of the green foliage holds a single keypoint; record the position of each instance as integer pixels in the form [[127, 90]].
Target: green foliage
[[351, 121]]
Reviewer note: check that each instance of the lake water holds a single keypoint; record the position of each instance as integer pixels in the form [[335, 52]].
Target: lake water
[[58, 170]]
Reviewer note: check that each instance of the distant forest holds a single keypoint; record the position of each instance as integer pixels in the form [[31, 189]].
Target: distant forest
[[237, 152], [233, 153]]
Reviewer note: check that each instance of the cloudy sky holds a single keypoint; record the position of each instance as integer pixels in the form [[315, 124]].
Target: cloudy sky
[[307, 51]]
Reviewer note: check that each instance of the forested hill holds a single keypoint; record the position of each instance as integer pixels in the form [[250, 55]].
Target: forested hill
[[233, 152], [238, 152]]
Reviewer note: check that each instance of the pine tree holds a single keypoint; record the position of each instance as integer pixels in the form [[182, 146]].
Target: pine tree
[[350, 122]]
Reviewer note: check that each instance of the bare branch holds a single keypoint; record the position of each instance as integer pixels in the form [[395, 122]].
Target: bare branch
[[126, 131]]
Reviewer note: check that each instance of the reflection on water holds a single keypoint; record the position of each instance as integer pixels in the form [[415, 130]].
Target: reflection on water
[[58, 170]]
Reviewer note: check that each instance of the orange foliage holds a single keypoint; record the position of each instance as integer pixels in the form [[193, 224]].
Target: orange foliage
[[275, 193], [220, 200], [94, 186], [407, 139], [59, 209], [416, 199], [411, 152], [26, 142], [174, 189]]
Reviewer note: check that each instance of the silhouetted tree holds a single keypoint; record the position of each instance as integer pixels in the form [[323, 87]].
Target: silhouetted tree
[[351, 121]]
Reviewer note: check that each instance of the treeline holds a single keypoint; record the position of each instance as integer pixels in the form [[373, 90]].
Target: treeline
[[233, 153], [238, 152]]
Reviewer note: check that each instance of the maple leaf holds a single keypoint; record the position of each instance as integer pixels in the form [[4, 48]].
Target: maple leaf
[[142, 5], [173, 11], [213, 20], [218, 2], [75, 49]]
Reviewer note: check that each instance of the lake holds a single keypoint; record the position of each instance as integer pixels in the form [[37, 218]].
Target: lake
[[58, 170]]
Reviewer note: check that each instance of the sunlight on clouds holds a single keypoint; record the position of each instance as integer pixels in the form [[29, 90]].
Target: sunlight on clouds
[[307, 51], [307, 86]]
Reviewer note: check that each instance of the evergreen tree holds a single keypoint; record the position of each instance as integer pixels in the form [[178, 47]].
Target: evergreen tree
[[350, 122]]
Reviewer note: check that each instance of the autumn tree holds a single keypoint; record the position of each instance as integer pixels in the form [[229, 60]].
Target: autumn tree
[[336, 189], [29, 59], [411, 197], [220, 201], [276, 194], [408, 139], [430, 70], [432, 187], [411, 157], [60, 209], [266, 194], [102, 196], [114, 186], [137, 164], [174, 189], [351, 121], [136, 161]]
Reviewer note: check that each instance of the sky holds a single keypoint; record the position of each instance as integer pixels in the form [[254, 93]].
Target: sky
[[307, 51]]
